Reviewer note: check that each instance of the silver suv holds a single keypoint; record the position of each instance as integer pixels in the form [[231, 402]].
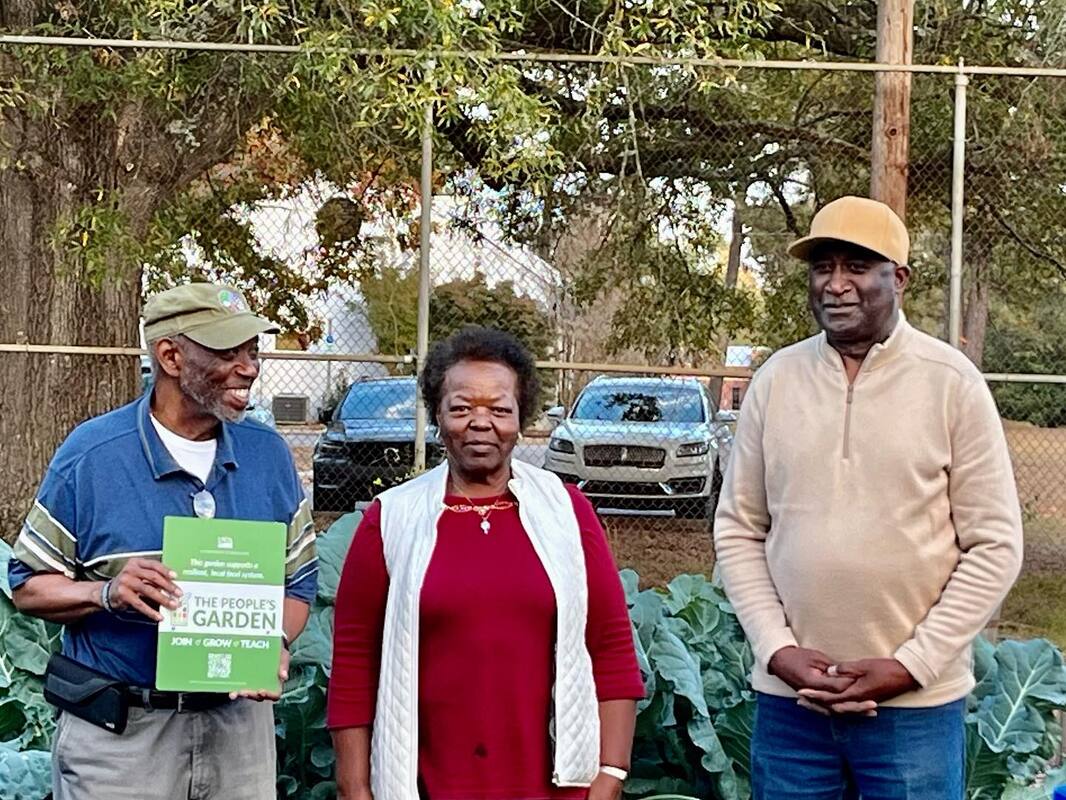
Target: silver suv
[[650, 445]]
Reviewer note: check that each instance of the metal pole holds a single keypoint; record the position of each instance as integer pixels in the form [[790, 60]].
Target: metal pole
[[958, 174], [329, 364], [283, 355], [532, 58], [424, 277]]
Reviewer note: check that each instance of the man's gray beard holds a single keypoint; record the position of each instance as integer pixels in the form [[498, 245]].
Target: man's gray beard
[[195, 385]]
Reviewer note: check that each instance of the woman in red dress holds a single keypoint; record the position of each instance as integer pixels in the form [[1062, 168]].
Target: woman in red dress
[[482, 648]]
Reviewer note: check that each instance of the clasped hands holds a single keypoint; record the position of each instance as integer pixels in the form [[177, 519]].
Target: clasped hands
[[852, 687]]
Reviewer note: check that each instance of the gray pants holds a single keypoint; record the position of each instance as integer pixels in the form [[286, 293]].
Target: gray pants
[[226, 753]]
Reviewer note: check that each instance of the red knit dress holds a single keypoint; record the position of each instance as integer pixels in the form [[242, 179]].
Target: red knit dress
[[486, 640]]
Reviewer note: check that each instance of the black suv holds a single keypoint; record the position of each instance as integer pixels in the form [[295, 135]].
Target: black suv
[[369, 443]]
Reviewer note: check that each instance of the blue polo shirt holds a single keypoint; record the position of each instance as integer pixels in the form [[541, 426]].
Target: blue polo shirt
[[103, 500]]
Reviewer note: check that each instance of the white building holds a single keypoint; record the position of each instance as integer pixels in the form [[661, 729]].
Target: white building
[[287, 230]]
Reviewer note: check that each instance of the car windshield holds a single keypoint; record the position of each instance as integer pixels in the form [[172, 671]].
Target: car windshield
[[640, 404], [391, 400]]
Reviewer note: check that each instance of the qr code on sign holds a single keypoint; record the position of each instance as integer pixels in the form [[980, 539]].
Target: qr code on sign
[[219, 665]]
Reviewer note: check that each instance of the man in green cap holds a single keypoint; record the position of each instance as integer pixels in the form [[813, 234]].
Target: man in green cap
[[88, 557]]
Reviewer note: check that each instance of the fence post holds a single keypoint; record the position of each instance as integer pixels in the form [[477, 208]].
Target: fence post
[[425, 228], [958, 170]]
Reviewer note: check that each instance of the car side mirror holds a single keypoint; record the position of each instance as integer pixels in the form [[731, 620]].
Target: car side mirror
[[556, 414], [325, 415]]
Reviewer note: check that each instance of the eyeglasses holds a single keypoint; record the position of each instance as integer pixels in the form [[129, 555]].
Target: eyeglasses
[[203, 504]]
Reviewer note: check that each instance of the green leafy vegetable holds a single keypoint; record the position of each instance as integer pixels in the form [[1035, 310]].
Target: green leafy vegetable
[[694, 727]]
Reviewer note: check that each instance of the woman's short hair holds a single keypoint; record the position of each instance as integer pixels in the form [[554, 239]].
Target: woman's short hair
[[474, 343]]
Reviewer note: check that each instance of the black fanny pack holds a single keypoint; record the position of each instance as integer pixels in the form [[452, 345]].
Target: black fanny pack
[[86, 693]]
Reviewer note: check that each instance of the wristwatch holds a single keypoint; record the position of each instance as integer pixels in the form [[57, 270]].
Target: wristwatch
[[285, 641], [614, 772]]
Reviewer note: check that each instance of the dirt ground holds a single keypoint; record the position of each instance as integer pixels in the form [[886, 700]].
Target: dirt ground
[[302, 454], [660, 548]]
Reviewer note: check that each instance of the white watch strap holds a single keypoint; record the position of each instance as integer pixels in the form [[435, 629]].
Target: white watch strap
[[614, 772]]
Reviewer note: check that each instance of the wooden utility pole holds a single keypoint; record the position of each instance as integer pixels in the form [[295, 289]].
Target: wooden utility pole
[[892, 105], [732, 274]]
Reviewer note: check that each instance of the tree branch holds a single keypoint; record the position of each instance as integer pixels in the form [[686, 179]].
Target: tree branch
[[1030, 248], [786, 209]]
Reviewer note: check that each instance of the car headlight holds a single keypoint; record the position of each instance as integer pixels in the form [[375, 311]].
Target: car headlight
[[561, 445], [694, 449]]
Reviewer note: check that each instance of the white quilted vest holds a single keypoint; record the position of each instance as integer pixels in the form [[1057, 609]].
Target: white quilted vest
[[409, 516]]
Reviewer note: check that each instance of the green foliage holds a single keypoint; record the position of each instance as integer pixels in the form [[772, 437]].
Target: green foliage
[[91, 235], [26, 720], [391, 299], [1021, 681], [786, 316], [1012, 733], [694, 727], [172, 150], [177, 145], [228, 251], [25, 775], [305, 751], [681, 280], [473, 301], [173, 146], [1029, 339]]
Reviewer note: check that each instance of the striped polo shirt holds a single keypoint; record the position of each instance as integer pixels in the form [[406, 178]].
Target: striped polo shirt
[[103, 500]]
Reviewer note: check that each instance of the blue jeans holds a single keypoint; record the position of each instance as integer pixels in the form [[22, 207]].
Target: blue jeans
[[901, 754]]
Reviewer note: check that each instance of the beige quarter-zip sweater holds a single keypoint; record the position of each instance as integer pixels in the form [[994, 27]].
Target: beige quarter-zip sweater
[[872, 520]]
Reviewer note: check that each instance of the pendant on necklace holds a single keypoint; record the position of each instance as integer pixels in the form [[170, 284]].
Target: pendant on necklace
[[485, 526]]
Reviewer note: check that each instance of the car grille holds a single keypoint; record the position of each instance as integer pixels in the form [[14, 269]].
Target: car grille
[[619, 455], [389, 454], [642, 489], [624, 488], [687, 485]]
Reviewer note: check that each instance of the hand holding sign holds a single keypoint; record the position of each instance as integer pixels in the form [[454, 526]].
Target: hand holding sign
[[262, 694], [140, 582]]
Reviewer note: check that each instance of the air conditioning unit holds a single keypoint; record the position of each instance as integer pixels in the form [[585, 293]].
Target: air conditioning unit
[[290, 407]]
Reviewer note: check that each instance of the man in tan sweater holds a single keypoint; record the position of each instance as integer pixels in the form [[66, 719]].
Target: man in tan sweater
[[868, 529]]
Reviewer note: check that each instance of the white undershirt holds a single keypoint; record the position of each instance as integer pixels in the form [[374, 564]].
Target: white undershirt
[[194, 457]]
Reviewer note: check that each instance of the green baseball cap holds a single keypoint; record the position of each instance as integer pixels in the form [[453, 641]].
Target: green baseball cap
[[210, 314]]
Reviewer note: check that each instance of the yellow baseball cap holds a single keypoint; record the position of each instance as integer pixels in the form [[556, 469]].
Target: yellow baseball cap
[[857, 220], [210, 314]]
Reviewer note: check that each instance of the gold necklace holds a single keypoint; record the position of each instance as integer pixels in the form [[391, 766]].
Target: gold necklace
[[482, 511]]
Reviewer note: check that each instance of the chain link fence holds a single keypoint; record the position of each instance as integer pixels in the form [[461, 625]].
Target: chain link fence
[[633, 237]]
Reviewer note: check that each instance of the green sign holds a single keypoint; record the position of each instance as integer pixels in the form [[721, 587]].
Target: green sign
[[226, 635]]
